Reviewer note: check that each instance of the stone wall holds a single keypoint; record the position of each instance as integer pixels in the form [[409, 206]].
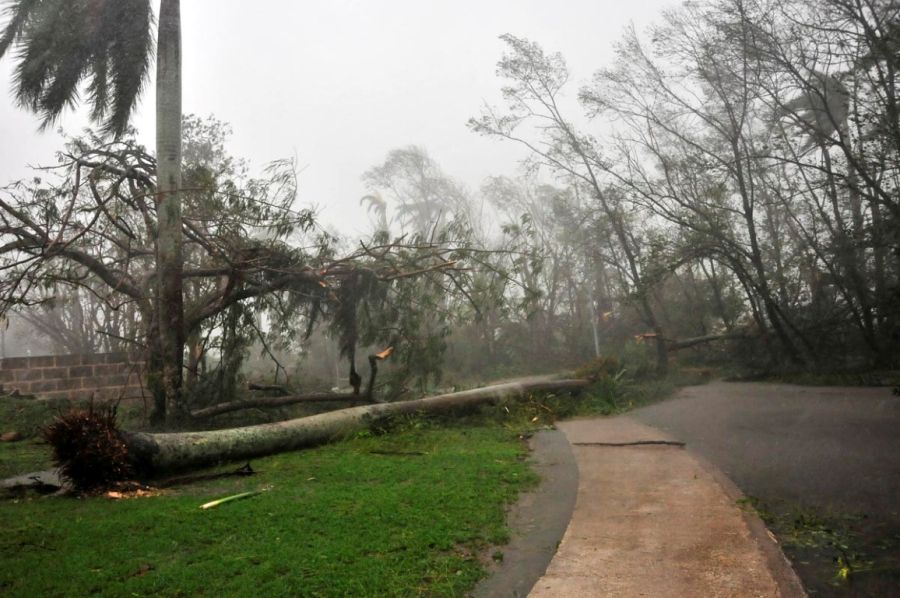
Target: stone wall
[[102, 376]]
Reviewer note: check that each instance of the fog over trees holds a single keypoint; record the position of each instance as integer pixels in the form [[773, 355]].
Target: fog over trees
[[726, 191]]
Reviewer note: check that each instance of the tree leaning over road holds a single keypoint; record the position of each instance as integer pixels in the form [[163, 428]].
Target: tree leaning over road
[[61, 44]]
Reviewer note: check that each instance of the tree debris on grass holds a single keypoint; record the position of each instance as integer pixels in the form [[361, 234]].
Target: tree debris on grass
[[233, 497], [89, 449]]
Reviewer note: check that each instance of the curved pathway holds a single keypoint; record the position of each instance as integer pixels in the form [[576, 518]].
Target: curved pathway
[[653, 520]]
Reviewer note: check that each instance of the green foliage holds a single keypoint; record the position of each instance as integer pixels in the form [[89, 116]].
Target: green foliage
[[407, 514], [842, 548], [600, 367]]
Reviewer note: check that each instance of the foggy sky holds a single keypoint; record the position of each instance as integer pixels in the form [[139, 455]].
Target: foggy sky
[[339, 83]]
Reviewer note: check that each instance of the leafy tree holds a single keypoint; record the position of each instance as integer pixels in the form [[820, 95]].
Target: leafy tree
[[756, 133], [424, 199], [535, 119], [252, 263]]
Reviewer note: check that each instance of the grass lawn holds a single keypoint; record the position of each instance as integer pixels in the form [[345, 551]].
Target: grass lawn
[[24, 456], [408, 513], [411, 512]]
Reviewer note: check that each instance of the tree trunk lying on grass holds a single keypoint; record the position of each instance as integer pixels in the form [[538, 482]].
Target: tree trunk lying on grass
[[283, 401], [156, 453], [322, 397]]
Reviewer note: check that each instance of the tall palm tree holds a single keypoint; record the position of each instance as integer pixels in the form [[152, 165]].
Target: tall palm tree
[[61, 45]]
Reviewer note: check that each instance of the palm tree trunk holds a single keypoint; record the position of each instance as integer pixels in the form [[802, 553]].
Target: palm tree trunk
[[169, 243]]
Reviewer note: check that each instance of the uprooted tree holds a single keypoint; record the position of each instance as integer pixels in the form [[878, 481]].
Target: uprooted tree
[[90, 224], [92, 452]]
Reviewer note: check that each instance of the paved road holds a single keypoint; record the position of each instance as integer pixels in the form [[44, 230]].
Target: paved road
[[830, 452], [826, 447]]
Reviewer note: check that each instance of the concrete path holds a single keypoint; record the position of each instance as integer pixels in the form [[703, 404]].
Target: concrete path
[[653, 520]]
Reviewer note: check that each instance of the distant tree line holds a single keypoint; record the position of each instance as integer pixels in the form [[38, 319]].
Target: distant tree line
[[737, 172], [729, 185]]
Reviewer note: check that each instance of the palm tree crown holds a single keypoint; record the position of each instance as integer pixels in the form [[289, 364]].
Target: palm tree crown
[[60, 44]]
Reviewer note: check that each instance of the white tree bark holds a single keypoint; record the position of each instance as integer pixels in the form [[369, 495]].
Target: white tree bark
[[157, 453]]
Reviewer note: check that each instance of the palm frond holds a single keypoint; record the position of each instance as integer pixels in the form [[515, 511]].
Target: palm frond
[[98, 90], [18, 14], [130, 50], [64, 43]]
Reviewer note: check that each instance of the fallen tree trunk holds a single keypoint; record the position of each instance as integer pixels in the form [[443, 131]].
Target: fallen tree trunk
[[699, 340], [156, 453], [322, 397]]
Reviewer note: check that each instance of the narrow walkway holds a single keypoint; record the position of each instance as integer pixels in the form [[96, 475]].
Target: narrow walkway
[[652, 520]]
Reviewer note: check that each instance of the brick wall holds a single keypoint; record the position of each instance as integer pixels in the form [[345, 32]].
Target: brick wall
[[102, 375]]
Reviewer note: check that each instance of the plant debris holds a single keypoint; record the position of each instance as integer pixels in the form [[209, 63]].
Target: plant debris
[[88, 448], [233, 497]]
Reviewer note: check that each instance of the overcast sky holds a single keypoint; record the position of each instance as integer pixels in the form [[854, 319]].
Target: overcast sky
[[339, 83]]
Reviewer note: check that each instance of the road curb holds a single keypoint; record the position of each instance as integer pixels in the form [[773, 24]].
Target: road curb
[[780, 566]]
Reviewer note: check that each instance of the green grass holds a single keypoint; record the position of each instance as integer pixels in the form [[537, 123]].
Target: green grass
[[339, 520], [23, 457], [25, 416]]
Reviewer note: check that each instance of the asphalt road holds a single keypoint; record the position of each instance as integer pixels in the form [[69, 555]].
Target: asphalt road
[[831, 451], [827, 447]]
